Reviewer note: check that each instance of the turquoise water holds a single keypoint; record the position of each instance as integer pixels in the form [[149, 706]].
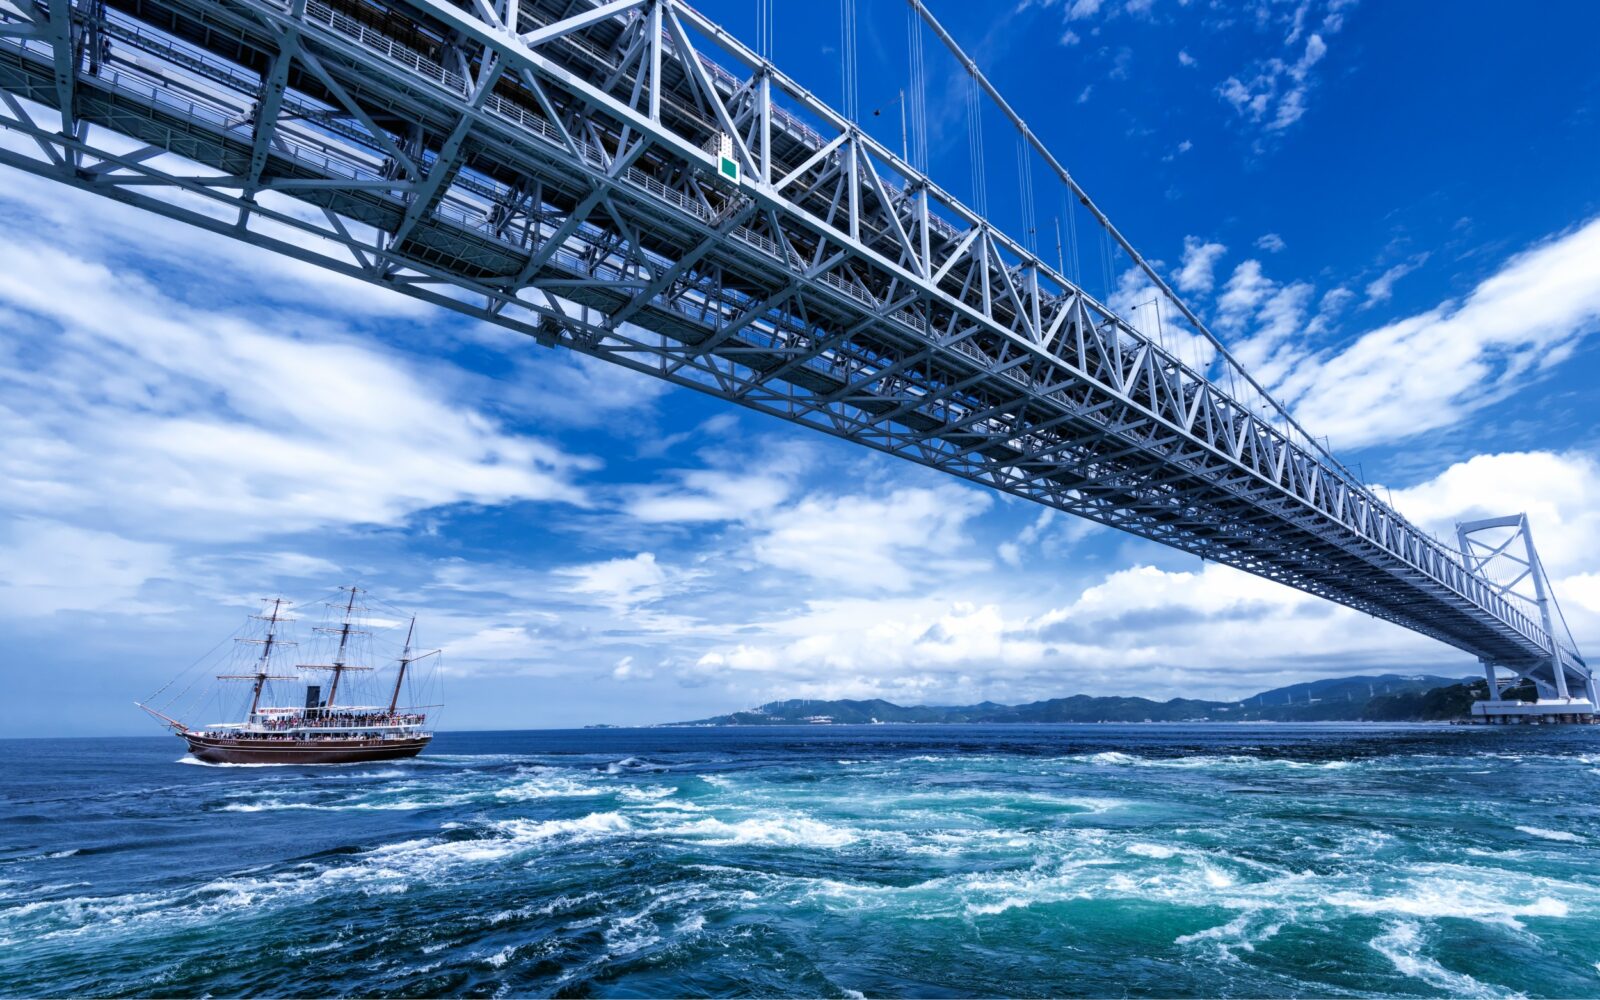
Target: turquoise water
[[886, 860]]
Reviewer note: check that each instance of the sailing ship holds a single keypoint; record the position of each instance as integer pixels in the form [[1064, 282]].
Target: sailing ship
[[327, 727]]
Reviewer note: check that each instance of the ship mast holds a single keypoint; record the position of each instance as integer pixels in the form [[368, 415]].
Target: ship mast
[[344, 640], [405, 661], [344, 632], [274, 618]]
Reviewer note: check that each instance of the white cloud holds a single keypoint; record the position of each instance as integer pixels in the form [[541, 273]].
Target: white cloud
[[885, 543], [130, 405], [1243, 295], [1134, 299], [1274, 91], [1333, 302], [623, 583], [1431, 370], [1269, 353], [1199, 259], [1215, 632], [52, 567], [1145, 308], [514, 645], [714, 495], [1381, 288], [1558, 492], [626, 670], [1185, 59], [1046, 537], [912, 649], [1271, 243], [566, 388]]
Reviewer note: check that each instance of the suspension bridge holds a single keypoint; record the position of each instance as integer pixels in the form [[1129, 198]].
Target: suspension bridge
[[629, 180]]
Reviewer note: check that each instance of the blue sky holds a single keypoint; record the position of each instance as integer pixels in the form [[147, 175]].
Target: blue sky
[[1389, 211]]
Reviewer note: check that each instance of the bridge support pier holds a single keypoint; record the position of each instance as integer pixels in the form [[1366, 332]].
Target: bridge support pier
[[1550, 706]]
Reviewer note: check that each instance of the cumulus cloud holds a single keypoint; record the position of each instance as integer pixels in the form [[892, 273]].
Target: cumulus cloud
[[622, 583], [1210, 631], [1271, 243], [1246, 289], [873, 542], [1199, 260], [1557, 491]]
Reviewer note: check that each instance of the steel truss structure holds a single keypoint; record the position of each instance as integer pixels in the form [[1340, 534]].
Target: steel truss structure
[[627, 180], [1501, 549]]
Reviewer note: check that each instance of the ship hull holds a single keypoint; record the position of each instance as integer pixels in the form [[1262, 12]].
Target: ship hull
[[213, 750]]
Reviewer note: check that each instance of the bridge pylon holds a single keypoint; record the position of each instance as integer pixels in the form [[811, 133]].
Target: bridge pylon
[[1501, 550]]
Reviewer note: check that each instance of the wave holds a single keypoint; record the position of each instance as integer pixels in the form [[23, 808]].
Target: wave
[[1242, 933], [636, 793], [387, 868], [528, 784], [208, 763], [548, 788], [1445, 897], [1402, 945], [779, 831], [1558, 835], [1121, 759], [588, 827], [633, 764], [44, 856]]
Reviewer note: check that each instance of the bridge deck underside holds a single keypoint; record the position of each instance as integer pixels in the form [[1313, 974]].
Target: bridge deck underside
[[526, 201]]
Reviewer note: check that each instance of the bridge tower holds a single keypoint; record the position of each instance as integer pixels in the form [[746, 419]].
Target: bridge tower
[[1501, 551]]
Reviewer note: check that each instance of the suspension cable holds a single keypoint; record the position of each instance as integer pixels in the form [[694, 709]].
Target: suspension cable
[[918, 91], [980, 187], [1025, 191], [764, 28], [979, 80], [847, 59]]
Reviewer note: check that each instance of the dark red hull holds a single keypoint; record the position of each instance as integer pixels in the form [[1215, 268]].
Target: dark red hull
[[226, 750]]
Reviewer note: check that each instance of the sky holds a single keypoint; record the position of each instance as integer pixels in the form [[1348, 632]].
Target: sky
[[1388, 211]]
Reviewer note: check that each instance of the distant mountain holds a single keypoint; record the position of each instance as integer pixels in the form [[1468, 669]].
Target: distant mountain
[[1383, 697]]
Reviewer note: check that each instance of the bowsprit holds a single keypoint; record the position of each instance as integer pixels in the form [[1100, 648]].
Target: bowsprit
[[628, 180]]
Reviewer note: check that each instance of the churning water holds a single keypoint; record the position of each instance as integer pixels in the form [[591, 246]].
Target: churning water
[[882, 860]]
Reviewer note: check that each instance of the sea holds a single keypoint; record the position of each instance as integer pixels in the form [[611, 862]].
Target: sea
[[844, 861]]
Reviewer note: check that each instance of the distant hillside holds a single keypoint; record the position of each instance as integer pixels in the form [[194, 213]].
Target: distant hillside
[[1384, 697]]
